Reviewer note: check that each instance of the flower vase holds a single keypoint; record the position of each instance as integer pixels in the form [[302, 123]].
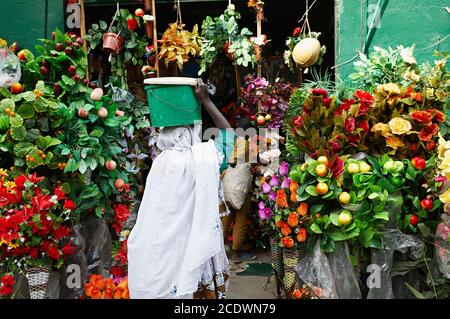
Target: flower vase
[[276, 255], [38, 278], [290, 260]]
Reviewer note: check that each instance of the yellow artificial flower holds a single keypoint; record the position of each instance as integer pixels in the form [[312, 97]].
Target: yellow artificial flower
[[440, 63], [399, 126], [445, 196], [382, 128], [10, 186], [390, 88], [443, 148], [410, 75], [3, 43], [394, 142]]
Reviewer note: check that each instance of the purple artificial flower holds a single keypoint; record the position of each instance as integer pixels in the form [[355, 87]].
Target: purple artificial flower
[[284, 169], [273, 196], [286, 183], [261, 205], [274, 181], [265, 213], [266, 188]]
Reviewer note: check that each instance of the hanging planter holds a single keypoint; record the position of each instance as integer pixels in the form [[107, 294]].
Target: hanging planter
[[307, 52], [276, 255], [112, 42], [290, 261]]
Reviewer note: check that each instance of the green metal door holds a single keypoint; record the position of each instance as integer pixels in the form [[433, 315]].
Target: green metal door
[[363, 24], [25, 21]]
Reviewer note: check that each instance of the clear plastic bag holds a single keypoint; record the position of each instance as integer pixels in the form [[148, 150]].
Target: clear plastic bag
[[10, 71], [98, 246], [344, 274], [393, 240], [315, 271], [442, 245]]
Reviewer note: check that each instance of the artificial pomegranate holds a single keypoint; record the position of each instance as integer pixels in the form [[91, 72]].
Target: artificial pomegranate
[[44, 70], [72, 70], [85, 82], [414, 220], [321, 188], [79, 40], [323, 160], [16, 88], [353, 168], [83, 113], [92, 85], [268, 118], [139, 12], [110, 165], [344, 198], [97, 94], [76, 78], [102, 113], [119, 184], [364, 167], [321, 170], [56, 88], [59, 47], [261, 120], [426, 203], [68, 50], [419, 163], [345, 218], [120, 113], [21, 55]]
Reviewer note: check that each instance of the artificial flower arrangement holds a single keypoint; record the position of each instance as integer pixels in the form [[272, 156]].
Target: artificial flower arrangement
[[99, 287], [222, 34], [272, 97], [34, 223], [179, 45]]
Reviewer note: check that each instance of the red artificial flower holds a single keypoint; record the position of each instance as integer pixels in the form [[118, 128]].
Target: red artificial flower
[[42, 202], [59, 193], [117, 271], [364, 125], [6, 290], [297, 121], [69, 204], [296, 32], [418, 97], [68, 249], [335, 147], [132, 24], [428, 132], [122, 254], [8, 280], [21, 179], [438, 116], [321, 92], [122, 213], [61, 232], [327, 102], [364, 97], [337, 167], [412, 148], [349, 124], [34, 252], [422, 117], [51, 250], [345, 106], [431, 145]]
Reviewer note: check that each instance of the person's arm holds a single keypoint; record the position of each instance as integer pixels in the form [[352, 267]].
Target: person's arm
[[201, 90]]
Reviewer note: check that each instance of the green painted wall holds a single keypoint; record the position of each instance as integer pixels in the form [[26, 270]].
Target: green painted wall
[[404, 22], [25, 21]]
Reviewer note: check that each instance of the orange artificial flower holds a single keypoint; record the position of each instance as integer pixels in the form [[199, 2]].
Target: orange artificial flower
[[286, 230], [417, 97], [126, 294], [293, 186], [118, 293], [293, 219], [88, 289], [109, 284], [281, 200], [96, 293], [293, 197], [427, 133], [108, 293], [280, 223], [287, 242], [297, 294], [301, 236], [303, 209]]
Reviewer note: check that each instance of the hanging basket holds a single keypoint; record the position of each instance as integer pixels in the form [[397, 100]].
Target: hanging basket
[[276, 255], [112, 42], [307, 52], [38, 278], [290, 260]]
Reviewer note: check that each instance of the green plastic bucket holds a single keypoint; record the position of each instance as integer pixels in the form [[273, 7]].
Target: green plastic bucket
[[172, 102]]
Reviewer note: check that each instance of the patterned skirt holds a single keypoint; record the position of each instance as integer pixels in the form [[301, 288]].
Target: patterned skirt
[[215, 277]]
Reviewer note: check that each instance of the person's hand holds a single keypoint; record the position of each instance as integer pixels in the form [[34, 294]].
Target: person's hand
[[201, 91]]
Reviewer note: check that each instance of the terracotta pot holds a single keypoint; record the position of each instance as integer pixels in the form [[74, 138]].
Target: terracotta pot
[[112, 43]]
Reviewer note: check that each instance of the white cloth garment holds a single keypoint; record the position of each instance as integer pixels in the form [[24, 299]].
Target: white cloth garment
[[178, 228]]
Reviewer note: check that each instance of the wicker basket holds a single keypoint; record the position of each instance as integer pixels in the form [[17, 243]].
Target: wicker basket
[[276, 254], [290, 260], [38, 278]]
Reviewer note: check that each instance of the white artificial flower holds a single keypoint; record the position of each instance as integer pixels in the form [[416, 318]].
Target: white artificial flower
[[411, 76], [440, 63], [148, 18], [54, 199], [407, 56]]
